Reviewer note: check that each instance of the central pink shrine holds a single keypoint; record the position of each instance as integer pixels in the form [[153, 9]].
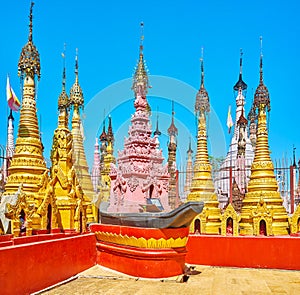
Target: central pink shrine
[[140, 179]]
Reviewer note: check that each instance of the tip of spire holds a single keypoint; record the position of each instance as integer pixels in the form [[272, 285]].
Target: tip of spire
[[241, 61], [202, 68], [189, 151], [63, 55], [141, 37], [202, 53], [261, 61], [173, 112], [30, 21], [240, 84], [76, 62], [172, 130], [157, 132]]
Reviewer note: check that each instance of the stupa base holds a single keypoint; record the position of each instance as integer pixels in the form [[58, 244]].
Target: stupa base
[[141, 252]]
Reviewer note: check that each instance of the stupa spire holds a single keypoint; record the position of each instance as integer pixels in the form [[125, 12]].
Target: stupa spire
[[202, 98], [157, 131], [202, 187], [262, 209], [107, 157], [172, 130], [240, 84], [63, 100], [140, 79], [80, 163], [110, 134], [103, 144], [189, 169], [172, 148]]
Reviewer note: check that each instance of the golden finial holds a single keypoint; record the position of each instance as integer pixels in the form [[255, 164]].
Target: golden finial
[[63, 100], [140, 78], [261, 96], [29, 62], [202, 98], [76, 95]]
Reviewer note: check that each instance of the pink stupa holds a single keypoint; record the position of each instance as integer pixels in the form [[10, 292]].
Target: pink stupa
[[141, 180]]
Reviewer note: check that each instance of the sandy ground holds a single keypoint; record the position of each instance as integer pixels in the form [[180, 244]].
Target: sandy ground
[[209, 280]]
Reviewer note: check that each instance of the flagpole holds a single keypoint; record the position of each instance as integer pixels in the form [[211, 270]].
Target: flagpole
[[230, 175]]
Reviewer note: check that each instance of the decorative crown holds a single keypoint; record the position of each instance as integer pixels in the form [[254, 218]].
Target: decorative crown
[[29, 62]]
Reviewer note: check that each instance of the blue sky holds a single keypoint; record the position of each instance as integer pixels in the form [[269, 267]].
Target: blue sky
[[107, 33]]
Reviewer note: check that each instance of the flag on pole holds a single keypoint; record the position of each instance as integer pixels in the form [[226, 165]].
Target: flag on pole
[[12, 99], [229, 120]]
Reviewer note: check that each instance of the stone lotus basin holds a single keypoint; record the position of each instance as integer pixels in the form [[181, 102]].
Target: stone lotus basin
[[177, 218]]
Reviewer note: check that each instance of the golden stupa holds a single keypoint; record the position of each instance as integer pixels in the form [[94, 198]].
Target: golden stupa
[[64, 192], [80, 163], [262, 211], [35, 202], [27, 173], [202, 187], [172, 148], [107, 157]]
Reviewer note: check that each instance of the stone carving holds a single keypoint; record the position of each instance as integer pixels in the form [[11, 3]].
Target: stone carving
[[133, 183]]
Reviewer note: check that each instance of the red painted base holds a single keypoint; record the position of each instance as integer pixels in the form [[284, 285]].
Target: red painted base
[[254, 252], [140, 261]]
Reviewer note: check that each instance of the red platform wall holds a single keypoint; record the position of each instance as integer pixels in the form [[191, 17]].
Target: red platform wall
[[253, 252], [27, 268]]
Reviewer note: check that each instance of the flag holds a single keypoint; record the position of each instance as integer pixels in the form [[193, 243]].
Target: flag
[[229, 120], [12, 99]]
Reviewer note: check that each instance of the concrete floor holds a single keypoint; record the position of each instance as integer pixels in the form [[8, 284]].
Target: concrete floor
[[210, 280]]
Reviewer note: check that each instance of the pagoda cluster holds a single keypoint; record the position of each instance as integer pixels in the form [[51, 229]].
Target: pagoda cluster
[[241, 198]]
